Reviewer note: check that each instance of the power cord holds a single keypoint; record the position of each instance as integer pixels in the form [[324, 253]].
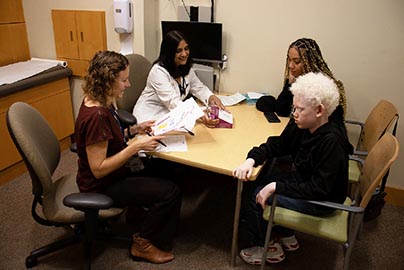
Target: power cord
[[186, 10]]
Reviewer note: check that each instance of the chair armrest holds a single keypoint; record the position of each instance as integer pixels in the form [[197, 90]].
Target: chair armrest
[[361, 125], [357, 159], [126, 117], [85, 200], [354, 122], [338, 206], [360, 153], [73, 147]]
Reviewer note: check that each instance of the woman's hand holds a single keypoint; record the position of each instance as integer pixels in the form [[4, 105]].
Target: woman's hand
[[215, 101], [147, 143], [209, 122], [143, 127], [244, 171], [265, 193]]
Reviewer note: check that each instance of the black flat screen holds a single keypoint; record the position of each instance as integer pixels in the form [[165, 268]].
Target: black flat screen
[[205, 38]]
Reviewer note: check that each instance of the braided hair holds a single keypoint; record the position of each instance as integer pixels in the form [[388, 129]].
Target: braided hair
[[312, 60]]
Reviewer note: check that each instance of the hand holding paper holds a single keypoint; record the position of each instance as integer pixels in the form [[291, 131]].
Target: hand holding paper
[[182, 118]]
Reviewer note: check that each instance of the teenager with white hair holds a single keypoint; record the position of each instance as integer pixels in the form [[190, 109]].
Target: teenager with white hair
[[319, 149]]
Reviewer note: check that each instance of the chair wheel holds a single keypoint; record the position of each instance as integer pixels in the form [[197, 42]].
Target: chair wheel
[[31, 261]]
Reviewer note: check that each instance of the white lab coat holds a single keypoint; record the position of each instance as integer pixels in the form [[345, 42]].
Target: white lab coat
[[162, 93]]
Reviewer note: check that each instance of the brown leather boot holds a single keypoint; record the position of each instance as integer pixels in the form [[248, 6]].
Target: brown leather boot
[[144, 249]]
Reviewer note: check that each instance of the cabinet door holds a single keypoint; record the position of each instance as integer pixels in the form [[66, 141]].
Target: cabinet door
[[15, 47], [91, 33], [11, 11], [65, 33]]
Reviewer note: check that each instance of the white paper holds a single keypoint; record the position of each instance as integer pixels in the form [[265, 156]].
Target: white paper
[[22, 70], [175, 143], [184, 115], [226, 116], [254, 95], [231, 100], [56, 62]]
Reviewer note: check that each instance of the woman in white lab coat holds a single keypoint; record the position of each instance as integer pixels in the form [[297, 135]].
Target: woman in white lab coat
[[171, 80]]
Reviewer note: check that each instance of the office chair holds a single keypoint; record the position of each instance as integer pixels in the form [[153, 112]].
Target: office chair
[[382, 118], [138, 73], [40, 151], [343, 225], [139, 70]]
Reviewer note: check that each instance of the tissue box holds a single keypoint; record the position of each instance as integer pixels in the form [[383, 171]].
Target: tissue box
[[225, 118]]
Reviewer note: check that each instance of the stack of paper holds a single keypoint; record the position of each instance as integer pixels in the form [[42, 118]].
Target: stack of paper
[[182, 118]]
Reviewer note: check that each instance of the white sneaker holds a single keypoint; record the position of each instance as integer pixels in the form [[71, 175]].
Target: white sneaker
[[289, 243], [275, 253], [253, 255]]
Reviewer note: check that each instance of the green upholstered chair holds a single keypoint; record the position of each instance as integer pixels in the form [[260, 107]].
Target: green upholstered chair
[[383, 117], [343, 225], [55, 200]]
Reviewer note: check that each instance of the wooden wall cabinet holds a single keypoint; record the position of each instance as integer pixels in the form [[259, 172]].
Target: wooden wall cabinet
[[14, 45], [11, 11], [78, 36]]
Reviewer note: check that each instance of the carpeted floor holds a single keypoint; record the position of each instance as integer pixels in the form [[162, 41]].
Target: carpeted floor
[[204, 238]]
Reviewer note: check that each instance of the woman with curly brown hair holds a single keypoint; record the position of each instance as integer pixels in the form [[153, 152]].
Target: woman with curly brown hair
[[103, 155]]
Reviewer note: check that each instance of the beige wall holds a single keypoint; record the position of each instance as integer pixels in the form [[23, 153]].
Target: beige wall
[[361, 41]]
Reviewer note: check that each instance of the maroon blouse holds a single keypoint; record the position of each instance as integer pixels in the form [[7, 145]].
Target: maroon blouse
[[93, 125]]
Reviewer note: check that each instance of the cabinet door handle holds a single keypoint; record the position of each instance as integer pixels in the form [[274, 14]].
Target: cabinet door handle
[[71, 35], [82, 36]]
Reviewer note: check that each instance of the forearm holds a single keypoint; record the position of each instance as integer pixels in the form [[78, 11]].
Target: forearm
[[110, 164]]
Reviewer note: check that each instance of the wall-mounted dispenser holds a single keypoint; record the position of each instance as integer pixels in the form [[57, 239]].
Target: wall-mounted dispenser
[[123, 16]]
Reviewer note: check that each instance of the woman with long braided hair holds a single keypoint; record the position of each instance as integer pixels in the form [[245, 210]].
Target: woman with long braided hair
[[303, 56]]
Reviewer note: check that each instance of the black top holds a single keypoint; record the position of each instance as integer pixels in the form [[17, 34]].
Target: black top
[[320, 159]]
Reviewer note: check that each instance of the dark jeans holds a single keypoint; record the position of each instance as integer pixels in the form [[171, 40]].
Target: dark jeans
[[256, 225], [161, 198]]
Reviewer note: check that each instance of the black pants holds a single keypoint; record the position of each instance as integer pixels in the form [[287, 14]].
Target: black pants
[[161, 198]]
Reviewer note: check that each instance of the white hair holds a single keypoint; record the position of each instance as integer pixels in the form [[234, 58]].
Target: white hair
[[316, 89]]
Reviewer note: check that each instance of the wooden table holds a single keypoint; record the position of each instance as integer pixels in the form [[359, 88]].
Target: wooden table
[[221, 150]]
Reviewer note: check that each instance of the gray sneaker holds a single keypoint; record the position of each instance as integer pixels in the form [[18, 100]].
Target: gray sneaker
[[253, 254]]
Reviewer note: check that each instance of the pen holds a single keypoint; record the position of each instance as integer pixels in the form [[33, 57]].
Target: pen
[[160, 142], [190, 132]]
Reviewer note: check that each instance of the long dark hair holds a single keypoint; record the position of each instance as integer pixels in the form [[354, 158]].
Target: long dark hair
[[168, 50], [103, 69]]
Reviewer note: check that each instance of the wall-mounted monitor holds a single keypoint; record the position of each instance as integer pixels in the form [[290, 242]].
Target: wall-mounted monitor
[[205, 38]]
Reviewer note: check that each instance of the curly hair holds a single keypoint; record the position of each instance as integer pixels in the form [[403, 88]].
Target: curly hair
[[168, 50], [103, 69], [316, 89], [312, 60]]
